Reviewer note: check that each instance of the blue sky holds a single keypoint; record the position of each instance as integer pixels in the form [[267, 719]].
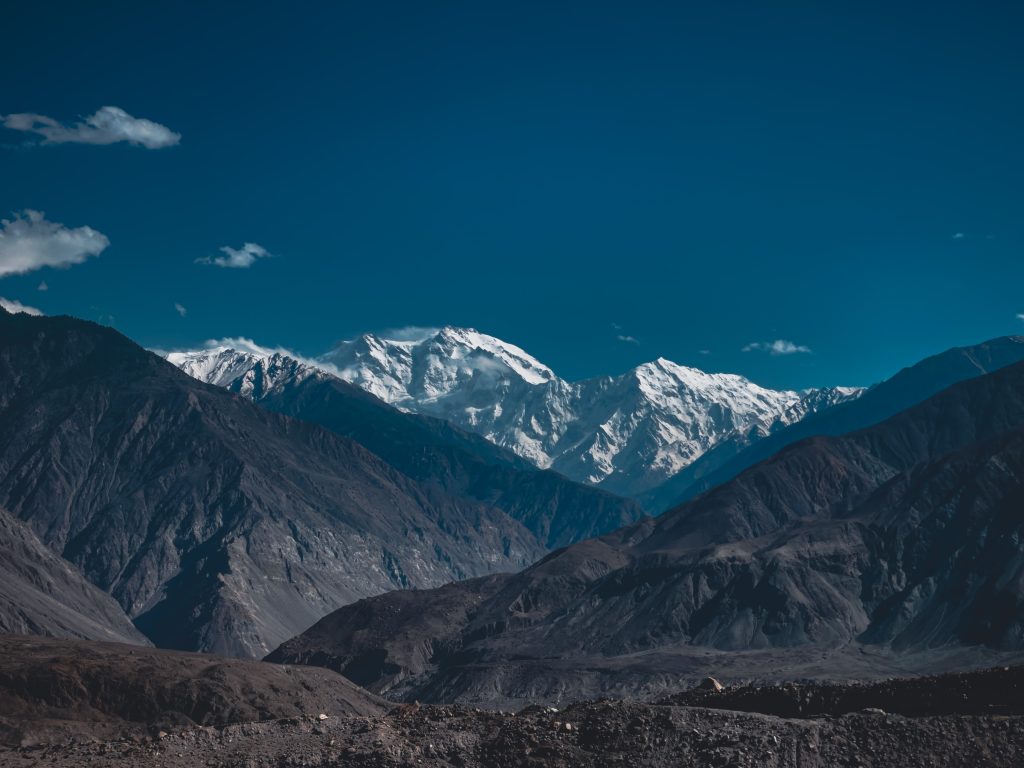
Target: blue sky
[[701, 178]]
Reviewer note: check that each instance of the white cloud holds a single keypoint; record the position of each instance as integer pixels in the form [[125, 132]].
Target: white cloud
[[29, 242], [409, 333], [777, 347], [16, 306], [627, 339], [237, 258], [180, 309], [704, 351], [43, 286], [1020, 316], [959, 235], [109, 125]]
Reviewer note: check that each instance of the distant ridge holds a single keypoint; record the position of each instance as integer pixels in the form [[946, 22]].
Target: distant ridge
[[906, 388], [625, 434]]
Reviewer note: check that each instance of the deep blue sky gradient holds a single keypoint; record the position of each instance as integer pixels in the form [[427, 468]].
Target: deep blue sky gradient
[[703, 175]]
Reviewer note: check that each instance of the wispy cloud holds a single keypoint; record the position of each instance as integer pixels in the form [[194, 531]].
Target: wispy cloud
[[108, 125], [777, 347], [1020, 316], [704, 351], [237, 258], [180, 309], [627, 339], [43, 286], [29, 242], [959, 235], [409, 333], [16, 306]]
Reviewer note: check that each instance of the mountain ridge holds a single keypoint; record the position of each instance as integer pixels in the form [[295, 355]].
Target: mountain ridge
[[907, 387], [903, 536], [626, 434], [430, 450], [217, 525]]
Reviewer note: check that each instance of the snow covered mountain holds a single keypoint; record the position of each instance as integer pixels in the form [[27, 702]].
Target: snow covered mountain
[[625, 433], [245, 368]]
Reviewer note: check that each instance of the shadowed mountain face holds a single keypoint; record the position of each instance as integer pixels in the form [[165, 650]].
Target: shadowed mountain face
[[432, 451], [907, 534], [43, 594], [215, 524], [905, 389]]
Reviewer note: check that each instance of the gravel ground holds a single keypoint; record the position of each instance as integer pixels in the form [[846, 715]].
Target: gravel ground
[[602, 733]]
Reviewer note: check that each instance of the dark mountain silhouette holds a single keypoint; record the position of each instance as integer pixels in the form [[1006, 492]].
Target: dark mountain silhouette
[[908, 387], [906, 535], [214, 523]]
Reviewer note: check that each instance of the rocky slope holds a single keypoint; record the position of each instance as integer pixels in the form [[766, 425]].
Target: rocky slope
[[905, 536], [726, 729], [430, 450], [215, 524], [625, 433], [43, 594], [62, 686], [906, 388]]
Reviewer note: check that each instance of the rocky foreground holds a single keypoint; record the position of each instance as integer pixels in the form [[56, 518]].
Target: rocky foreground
[[73, 704], [590, 734]]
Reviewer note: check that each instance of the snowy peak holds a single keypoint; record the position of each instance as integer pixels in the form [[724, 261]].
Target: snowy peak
[[436, 365], [626, 433], [252, 371], [677, 385]]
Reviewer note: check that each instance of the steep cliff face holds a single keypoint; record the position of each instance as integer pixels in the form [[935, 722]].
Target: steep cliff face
[[906, 534], [215, 524]]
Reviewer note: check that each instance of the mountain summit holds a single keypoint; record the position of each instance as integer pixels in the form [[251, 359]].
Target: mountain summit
[[626, 433]]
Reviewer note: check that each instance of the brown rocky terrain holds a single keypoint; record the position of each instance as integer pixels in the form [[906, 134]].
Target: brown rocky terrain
[[924, 726], [52, 690]]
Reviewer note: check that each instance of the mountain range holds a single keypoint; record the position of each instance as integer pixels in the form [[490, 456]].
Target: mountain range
[[276, 505], [430, 450], [627, 434], [902, 390], [905, 537], [214, 524]]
